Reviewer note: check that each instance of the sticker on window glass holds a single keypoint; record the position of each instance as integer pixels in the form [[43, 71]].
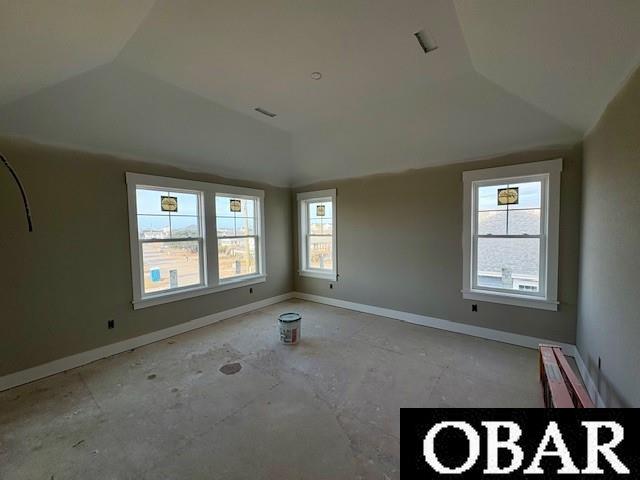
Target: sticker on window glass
[[235, 205], [508, 196], [320, 210], [168, 204]]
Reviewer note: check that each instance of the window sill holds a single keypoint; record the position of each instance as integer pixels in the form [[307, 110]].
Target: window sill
[[159, 299], [506, 299], [323, 275]]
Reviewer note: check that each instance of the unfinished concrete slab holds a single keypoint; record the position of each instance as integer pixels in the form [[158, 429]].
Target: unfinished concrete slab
[[325, 408]]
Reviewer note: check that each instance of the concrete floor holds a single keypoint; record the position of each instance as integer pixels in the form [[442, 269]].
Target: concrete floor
[[325, 408]]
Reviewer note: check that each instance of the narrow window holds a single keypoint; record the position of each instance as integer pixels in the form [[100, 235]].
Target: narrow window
[[511, 220], [317, 230], [238, 235]]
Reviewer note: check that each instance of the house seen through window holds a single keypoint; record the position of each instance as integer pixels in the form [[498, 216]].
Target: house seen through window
[[509, 236], [511, 219]]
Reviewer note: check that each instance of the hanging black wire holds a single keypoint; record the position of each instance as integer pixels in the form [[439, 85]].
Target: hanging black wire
[[22, 192]]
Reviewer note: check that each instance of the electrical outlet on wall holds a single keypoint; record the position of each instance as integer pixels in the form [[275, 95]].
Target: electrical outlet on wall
[[250, 289], [110, 324], [331, 285], [474, 307]]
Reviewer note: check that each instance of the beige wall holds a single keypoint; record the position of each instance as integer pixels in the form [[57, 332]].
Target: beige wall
[[609, 314], [400, 247], [60, 284]]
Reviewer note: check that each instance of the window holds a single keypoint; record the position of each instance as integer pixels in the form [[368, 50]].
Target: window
[[170, 242], [237, 236], [510, 239], [317, 228], [171, 221]]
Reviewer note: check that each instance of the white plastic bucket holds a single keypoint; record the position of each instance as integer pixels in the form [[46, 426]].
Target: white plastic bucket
[[289, 324]]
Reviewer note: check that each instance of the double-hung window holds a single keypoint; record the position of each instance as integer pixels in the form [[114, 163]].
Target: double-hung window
[[191, 238], [317, 234], [511, 234], [237, 234], [170, 240]]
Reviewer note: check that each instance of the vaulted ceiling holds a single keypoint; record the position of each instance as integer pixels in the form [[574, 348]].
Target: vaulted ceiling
[[178, 81]]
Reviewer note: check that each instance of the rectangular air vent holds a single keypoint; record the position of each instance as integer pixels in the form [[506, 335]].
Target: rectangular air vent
[[427, 43], [265, 112]]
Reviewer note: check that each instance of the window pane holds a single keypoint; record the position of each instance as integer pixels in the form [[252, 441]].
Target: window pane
[[245, 226], [492, 222], [236, 256], [148, 201], [315, 226], [247, 208], [226, 226], [488, 198], [529, 195], [524, 222], [232, 224], [153, 226], [223, 206], [315, 212], [168, 265], [320, 252], [187, 203], [320, 226], [327, 227], [509, 263], [184, 227]]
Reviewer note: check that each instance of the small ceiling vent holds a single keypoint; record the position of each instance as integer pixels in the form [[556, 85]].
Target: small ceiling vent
[[427, 43], [265, 112]]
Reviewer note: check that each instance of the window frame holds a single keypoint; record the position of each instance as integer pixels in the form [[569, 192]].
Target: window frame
[[303, 199], [257, 236], [548, 172], [210, 281], [200, 239]]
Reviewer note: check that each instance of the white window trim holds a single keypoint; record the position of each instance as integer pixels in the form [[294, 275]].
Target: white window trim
[[211, 282], [303, 198], [549, 273]]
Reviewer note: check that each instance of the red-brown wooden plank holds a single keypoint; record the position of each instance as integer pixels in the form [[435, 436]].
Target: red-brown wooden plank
[[576, 385], [554, 380]]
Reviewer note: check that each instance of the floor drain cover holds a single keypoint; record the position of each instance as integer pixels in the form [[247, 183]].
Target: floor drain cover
[[231, 368]]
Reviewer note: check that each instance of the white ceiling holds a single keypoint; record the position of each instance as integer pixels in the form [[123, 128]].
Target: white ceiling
[[116, 110], [567, 57], [246, 53], [43, 42], [508, 75]]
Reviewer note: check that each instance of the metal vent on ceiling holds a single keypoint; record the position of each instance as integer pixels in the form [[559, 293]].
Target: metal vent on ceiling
[[265, 112], [427, 43]]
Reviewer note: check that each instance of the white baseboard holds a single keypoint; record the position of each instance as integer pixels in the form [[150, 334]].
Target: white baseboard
[[589, 383], [488, 333], [79, 359]]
